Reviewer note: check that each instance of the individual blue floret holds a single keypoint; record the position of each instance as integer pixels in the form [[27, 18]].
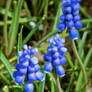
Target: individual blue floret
[[61, 26], [19, 79], [39, 76], [34, 60], [76, 18], [29, 87], [70, 24], [55, 55], [73, 34], [48, 67], [62, 50], [76, 12], [37, 67], [69, 17], [31, 68], [63, 60], [56, 61], [32, 76], [66, 2], [47, 57], [78, 25], [62, 18], [67, 10], [60, 71]]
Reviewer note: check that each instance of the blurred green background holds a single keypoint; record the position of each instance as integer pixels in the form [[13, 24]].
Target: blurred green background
[[33, 22]]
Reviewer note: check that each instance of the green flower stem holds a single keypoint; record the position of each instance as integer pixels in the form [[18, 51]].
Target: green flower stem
[[5, 36], [80, 63], [86, 62], [58, 84]]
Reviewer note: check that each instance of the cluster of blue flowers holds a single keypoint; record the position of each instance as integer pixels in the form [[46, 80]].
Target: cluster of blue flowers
[[28, 65], [70, 17], [55, 56]]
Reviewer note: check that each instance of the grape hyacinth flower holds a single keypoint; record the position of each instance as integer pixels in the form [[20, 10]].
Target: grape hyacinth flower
[[70, 17], [28, 66], [55, 55]]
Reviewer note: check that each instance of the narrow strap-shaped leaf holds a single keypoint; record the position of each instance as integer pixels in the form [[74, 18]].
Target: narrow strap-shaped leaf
[[52, 86], [32, 32], [6, 63], [82, 42], [14, 26], [52, 76], [20, 40], [4, 79], [85, 65], [42, 85]]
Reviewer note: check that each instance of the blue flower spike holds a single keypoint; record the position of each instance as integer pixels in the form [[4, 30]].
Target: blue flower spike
[[70, 17], [28, 67], [55, 56]]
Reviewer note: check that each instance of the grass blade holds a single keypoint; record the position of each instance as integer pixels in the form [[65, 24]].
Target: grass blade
[[52, 77], [52, 86], [2, 11], [20, 40], [82, 42], [79, 82], [70, 83], [5, 32], [42, 85], [6, 63], [14, 26], [69, 60], [32, 32], [57, 19], [4, 79]]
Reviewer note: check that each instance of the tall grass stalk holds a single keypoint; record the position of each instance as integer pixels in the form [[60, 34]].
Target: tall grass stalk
[[80, 63], [5, 34]]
